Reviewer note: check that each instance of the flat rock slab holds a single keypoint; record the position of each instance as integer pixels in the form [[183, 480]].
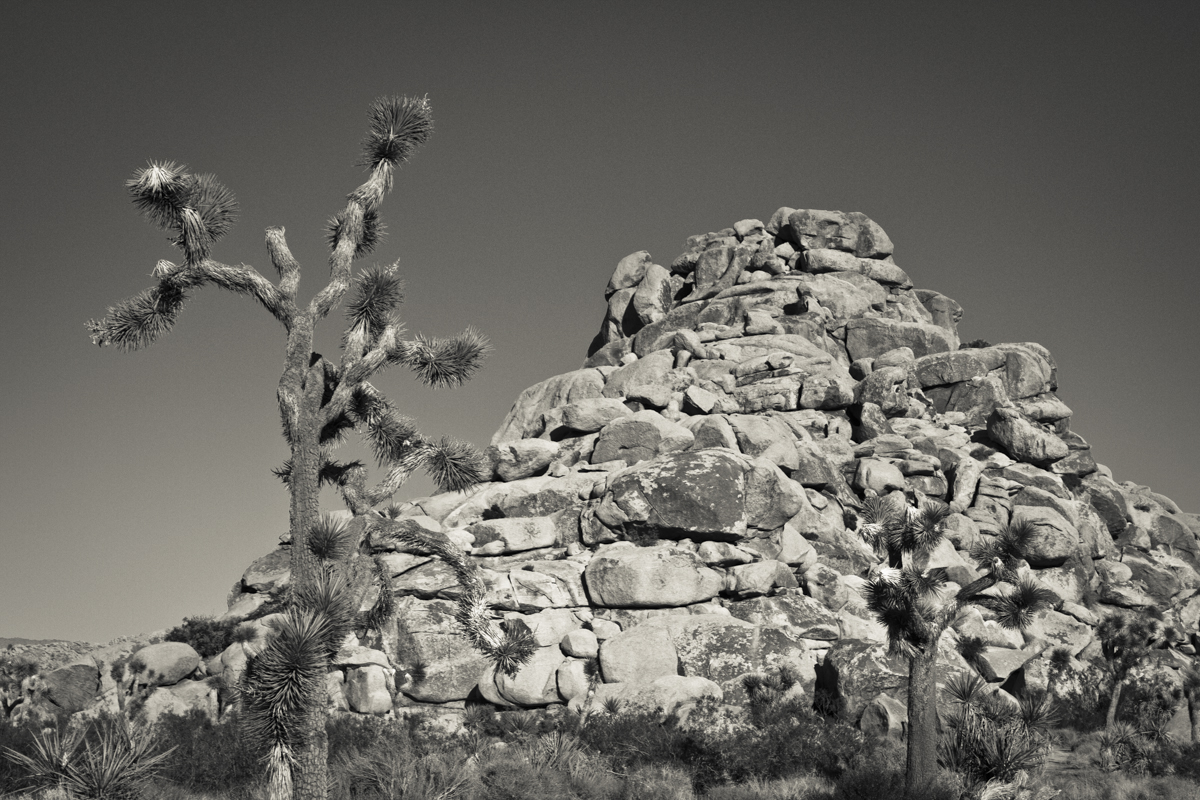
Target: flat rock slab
[[649, 577]]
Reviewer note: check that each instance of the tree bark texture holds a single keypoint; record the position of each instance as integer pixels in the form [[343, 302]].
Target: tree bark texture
[[1112, 705], [310, 773], [922, 724]]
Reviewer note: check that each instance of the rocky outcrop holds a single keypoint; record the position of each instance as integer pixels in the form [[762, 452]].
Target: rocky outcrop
[[682, 509]]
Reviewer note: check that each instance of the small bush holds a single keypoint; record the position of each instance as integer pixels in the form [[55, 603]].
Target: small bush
[[207, 757], [207, 636], [975, 344]]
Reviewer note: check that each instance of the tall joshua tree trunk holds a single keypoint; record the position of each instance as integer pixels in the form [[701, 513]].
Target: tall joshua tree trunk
[[1113, 702], [922, 723]]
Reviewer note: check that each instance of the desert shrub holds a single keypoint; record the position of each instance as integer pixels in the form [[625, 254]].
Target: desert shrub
[[1150, 699], [975, 344], [633, 739], [111, 759], [14, 738], [507, 778], [207, 636], [385, 773], [987, 739], [1094, 784], [207, 757], [787, 739], [659, 782], [1081, 691]]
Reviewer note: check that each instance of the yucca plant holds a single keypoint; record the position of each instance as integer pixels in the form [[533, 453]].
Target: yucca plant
[[115, 765], [909, 600], [989, 741], [321, 401]]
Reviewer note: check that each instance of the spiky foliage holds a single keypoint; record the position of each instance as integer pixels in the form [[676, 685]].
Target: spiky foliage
[[443, 363], [285, 681], [367, 237], [965, 688], [1125, 644], [115, 765], [988, 739], [377, 293], [1007, 549], [398, 126], [876, 519], [1019, 607], [972, 649], [330, 539], [453, 464], [330, 473]]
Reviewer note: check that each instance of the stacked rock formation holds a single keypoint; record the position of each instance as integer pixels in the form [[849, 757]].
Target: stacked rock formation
[[682, 508]]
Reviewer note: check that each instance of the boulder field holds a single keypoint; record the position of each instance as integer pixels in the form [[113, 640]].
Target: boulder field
[[681, 509]]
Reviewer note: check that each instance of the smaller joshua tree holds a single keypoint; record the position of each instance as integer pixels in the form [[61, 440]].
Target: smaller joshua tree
[[1125, 644], [909, 599], [13, 671]]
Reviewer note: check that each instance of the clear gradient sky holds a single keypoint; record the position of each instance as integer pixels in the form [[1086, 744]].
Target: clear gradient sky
[[1038, 162]]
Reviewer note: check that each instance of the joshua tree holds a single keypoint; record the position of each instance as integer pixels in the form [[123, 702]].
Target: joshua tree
[[13, 671], [320, 402], [1125, 644], [907, 597]]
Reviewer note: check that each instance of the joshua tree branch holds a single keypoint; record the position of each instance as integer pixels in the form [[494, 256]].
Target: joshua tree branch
[[285, 264]]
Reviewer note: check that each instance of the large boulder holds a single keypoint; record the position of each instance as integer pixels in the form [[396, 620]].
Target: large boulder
[[367, 690], [535, 683], [526, 419], [855, 672], [705, 494], [1055, 539], [434, 662], [649, 577], [640, 654], [163, 664], [1024, 440], [72, 687], [640, 437], [870, 337], [793, 613], [268, 573], [183, 698]]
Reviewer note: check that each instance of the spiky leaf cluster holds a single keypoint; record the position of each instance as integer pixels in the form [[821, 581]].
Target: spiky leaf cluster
[[330, 473], [908, 618], [138, 321], [377, 293], [508, 648], [286, 680], [199, 209], [1004, 552], [330, 539], [398, 126], [1124, 643], [1019, 607], [444, 363], [453, 464]]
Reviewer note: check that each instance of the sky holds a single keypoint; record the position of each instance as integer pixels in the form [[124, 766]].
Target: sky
[[1037, 162]]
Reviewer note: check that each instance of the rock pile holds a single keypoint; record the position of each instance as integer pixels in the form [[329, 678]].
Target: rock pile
[[682, 508]]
